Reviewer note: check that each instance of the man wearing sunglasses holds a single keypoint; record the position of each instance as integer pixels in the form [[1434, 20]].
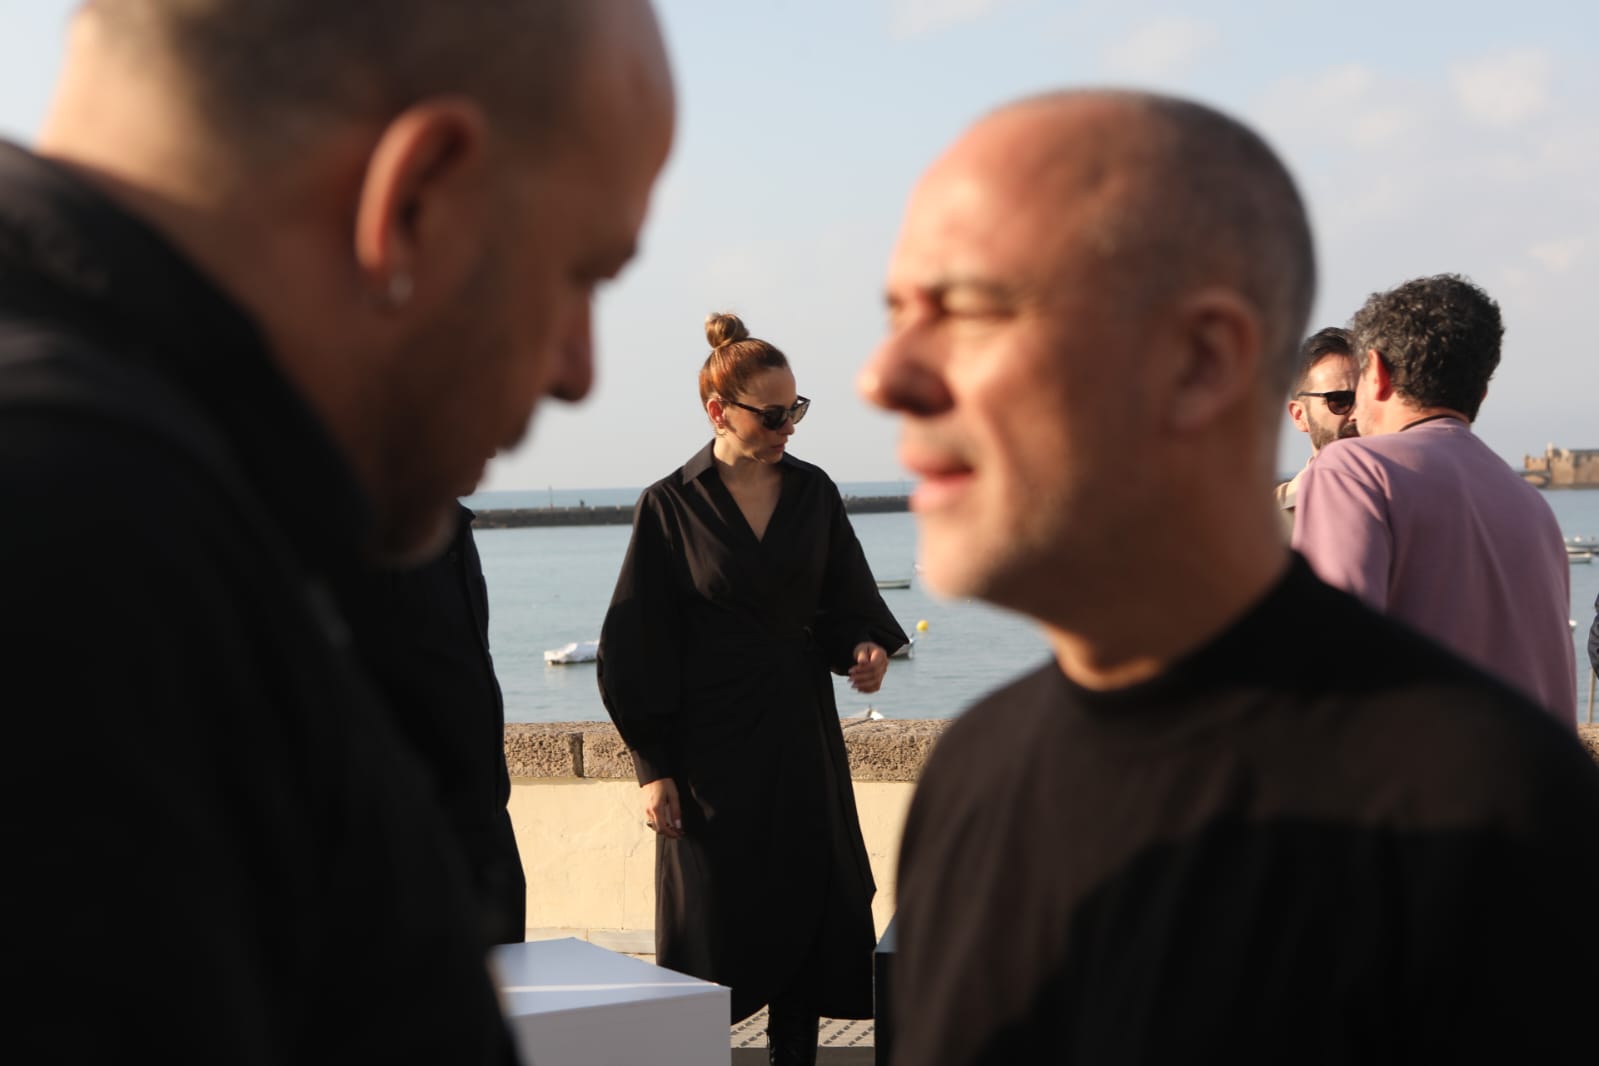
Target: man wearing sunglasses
[[1420, 518], [1321, 403]]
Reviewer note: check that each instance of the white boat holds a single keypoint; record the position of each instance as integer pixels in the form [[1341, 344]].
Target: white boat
[[906, 650], [894, 583], [1582, 545], [579, 651], [1578, 557]]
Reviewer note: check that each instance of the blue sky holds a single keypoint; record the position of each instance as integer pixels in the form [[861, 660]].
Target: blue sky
[[1426, 137]]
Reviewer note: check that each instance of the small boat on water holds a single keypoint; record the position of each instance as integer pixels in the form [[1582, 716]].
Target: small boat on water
[[1578, 557], [1581, 549], [895, 583], [579, 651], [906, 650]]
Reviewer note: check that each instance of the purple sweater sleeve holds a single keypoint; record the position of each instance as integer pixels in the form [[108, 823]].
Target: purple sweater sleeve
[[1341, 524]]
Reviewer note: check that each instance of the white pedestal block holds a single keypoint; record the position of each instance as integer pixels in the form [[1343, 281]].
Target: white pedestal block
[[570, 1003]]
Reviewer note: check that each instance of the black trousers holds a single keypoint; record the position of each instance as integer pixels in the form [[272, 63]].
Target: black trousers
[[792, 1025], [792, 1018]]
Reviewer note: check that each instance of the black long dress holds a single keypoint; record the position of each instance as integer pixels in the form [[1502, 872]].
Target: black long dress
[[713, 663]]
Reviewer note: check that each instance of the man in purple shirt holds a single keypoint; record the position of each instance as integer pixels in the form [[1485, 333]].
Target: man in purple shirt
[[1419, 518]]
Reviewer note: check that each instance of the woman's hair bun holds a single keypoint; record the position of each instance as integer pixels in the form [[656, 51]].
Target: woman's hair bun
[[724, 328]]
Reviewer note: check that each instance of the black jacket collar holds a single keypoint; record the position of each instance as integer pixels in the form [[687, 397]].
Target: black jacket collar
[[705, 460], [74, 263]]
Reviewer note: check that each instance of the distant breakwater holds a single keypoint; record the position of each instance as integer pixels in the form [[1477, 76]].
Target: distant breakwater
[[520, 517]]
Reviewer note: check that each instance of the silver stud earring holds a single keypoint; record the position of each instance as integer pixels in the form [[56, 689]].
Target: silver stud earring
[[399, 291]]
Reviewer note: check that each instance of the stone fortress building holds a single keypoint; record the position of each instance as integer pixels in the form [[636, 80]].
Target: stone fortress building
[[1563, 468]]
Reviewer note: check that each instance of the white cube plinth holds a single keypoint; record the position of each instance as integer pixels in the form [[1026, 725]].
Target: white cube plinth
[[570, 1003]]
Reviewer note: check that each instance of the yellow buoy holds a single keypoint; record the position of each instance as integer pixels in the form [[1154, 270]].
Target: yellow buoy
[[921, 627]]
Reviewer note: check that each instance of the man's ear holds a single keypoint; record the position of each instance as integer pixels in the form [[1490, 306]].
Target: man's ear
[[419, 214], [1379, 380], [1296, 411], [1217, 358]]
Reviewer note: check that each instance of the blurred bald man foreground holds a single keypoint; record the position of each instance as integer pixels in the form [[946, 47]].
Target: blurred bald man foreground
[[278, 281], [1192, 836]]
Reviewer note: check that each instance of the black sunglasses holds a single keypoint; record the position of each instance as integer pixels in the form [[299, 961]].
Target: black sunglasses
[[1339, 401], [773, 417]]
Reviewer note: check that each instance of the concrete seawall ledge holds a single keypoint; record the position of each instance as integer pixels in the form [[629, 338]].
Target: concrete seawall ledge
[[1589, 735], [590, 861], [878, 751]]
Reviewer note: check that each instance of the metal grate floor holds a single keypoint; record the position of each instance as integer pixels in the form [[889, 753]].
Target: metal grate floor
[[835, 1032], [840, 1041]]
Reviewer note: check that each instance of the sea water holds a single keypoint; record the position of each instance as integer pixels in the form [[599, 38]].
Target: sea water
[[549, 586]]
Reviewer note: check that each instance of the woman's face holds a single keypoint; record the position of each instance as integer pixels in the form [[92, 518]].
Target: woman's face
[[746, 439]]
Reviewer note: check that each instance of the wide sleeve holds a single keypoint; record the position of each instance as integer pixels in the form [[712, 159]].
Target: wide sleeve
[[640, 656], [1341, 526], [850, 609]]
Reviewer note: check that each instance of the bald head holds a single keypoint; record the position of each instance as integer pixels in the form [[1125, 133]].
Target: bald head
[[412, 200], [1095, 305], [1180, 195], [272, 74]]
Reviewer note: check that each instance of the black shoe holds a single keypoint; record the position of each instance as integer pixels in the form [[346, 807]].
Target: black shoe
[[791, 1041]]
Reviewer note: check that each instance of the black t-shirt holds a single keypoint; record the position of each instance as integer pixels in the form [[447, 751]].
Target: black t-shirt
[[1318, 839]]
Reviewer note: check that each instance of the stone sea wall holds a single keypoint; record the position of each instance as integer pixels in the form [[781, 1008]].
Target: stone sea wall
[[878, 751], [590, 860], [885, 751]]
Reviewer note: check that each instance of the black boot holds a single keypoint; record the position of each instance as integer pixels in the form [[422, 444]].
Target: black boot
[[791, 1036]]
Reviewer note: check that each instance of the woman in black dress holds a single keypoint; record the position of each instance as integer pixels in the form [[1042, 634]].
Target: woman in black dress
[[742, 589]]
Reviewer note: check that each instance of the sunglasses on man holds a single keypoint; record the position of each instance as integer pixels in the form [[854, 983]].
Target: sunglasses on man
[[1339, 401], [774, 416]]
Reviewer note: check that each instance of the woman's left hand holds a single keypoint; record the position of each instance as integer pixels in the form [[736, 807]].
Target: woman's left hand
[[871, 663]]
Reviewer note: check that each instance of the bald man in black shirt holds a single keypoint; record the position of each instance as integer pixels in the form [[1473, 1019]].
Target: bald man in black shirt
[[1237, 817]]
